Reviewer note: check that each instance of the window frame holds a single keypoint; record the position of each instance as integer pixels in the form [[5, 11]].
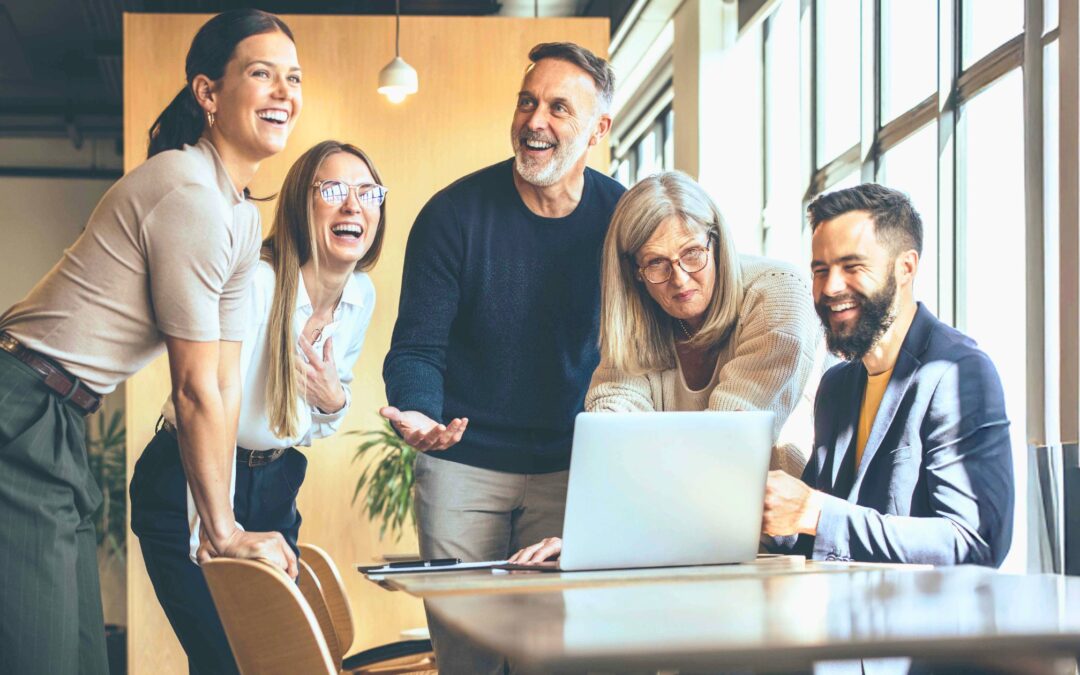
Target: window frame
[[655, 121], [1053, 327]]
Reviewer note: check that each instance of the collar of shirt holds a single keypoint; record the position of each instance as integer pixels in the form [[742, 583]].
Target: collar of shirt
[[352, 295], [221, 175]]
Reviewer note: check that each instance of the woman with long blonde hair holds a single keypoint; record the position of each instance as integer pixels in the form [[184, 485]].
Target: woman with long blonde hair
[[688, 324], [311, 303]]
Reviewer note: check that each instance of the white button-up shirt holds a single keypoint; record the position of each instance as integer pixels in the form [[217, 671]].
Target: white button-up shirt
[[351, 318]]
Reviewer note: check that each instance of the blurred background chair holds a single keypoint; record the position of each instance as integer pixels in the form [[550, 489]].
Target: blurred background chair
[[405, 656]]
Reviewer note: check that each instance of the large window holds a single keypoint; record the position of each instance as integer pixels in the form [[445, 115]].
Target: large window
[[911, 165], [909, 65], [930, 97], [650, 152], [837, 50]]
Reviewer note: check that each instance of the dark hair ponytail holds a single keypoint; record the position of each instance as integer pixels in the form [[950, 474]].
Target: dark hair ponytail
[[183, 120]]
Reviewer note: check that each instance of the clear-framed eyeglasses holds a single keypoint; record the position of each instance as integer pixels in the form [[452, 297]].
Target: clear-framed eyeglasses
[[334, 192], [692, 260]]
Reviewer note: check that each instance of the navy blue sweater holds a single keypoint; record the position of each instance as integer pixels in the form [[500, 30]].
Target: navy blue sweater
[[498, 319]]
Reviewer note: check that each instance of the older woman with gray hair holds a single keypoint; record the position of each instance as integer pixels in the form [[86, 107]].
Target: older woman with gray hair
[[688, 324]]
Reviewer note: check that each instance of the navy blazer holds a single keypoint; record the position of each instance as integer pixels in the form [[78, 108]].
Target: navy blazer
[[936, 480]]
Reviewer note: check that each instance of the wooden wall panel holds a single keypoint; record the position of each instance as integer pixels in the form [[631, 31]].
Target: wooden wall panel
[[470, 70]]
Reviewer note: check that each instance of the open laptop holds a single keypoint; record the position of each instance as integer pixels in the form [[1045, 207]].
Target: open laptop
[[665, 489], [657, 489]]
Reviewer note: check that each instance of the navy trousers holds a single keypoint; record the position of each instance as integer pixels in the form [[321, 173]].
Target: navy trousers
[[265, 501]]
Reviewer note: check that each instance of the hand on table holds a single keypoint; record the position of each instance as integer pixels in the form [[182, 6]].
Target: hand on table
[[269, 547], [319, 377], [791, 507], [422, 432], [547, 549]]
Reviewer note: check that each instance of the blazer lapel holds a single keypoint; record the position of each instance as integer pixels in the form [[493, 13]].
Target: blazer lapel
[[907, 364], [847, 417]]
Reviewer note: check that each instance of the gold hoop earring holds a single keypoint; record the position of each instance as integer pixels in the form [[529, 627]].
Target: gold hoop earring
[[210, 118]]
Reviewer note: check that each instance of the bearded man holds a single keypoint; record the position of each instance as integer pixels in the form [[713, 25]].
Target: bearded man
[[911, 461], [496, 336]]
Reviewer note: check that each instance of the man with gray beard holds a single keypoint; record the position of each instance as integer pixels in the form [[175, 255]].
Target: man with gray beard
[[496, 336]]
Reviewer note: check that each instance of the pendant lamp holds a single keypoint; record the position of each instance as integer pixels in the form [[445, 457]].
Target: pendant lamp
[[398, 79]]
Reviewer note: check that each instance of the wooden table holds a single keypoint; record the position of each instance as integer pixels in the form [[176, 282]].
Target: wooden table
[[779, 612], [772, 620]]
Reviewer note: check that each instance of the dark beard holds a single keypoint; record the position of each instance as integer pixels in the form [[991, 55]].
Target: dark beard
[[875, 317]]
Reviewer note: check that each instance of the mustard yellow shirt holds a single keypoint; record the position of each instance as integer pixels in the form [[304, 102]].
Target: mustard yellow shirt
[[872, 395]]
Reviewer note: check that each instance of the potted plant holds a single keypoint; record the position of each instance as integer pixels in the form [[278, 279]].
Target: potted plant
[[105, 452], [388, 480], [105, 449]]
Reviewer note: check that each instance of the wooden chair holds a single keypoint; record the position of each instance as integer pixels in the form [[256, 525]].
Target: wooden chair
[[333, 590], [270, 626], [406, 656], [311, 589]]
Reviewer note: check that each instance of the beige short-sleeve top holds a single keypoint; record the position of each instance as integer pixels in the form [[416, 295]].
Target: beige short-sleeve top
[[169, 250]]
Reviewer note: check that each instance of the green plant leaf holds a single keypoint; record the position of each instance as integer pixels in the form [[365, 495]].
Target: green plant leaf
[[386, 480], [105, 446]]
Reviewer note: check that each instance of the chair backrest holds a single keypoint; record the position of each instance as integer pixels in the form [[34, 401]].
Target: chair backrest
[[333, 589], [270, 626], [311, 589]]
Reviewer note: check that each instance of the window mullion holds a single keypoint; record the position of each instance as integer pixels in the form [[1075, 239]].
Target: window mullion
[[990, 68], [766, 140], [894, 133], [1037, 282], [948, 60], [808, 96], [1069, 217], [870, 90], [832, 172]]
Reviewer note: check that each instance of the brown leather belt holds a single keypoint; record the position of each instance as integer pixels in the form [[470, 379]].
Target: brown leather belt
[[252, 458], [70, 388]]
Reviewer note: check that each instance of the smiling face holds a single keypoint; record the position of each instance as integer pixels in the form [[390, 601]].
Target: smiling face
[[256, 102], [344, 233], [556, 121], [683, 296], [855, 283]]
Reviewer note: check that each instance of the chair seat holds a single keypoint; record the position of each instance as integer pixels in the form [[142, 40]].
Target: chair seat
[[382, 653]]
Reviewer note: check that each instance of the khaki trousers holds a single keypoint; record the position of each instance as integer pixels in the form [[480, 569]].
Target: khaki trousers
[[479, 514]]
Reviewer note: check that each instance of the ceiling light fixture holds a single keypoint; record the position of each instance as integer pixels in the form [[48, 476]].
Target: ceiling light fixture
[[398, 79]]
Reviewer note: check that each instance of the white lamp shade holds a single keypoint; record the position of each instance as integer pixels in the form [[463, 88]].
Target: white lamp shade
[[397, 80]]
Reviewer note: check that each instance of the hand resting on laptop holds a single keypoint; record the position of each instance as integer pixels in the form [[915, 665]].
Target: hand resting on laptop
[[546, 549]]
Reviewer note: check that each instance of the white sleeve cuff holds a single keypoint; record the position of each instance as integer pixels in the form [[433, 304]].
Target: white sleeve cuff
[[319, 417]]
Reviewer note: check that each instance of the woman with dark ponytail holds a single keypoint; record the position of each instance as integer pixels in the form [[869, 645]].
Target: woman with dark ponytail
[[186, 118], [164, 264]]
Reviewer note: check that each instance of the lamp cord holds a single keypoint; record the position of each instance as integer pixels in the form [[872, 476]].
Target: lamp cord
[[397, 28]]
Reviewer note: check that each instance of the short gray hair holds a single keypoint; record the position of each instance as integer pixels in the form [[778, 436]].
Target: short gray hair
[[597, 68]]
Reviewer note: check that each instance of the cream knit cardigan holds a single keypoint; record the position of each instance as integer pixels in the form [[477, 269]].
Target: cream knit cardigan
[[764, 365]]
